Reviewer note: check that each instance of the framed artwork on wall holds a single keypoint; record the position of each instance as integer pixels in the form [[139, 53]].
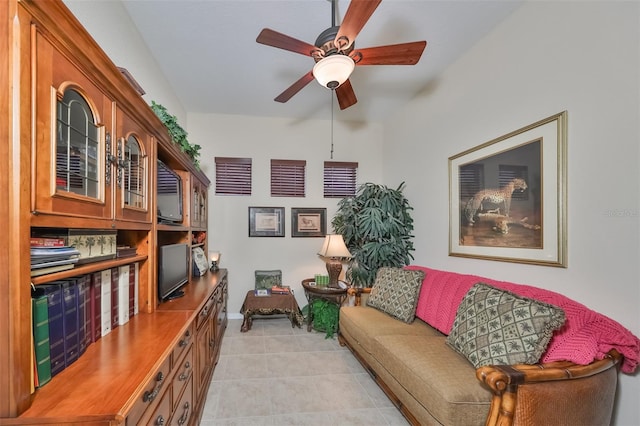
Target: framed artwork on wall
[[508, 196], [308, 222], [266, 221]]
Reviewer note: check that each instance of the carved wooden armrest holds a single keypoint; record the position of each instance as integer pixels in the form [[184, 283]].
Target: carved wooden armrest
[[357, 292], [503, 381]]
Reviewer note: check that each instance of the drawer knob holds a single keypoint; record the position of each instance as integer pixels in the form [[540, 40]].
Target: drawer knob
[[185, 415], [151, 395], [185, 375]]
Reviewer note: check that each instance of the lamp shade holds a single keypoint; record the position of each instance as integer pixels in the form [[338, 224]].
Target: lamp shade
[[334, 247], [333, 70]]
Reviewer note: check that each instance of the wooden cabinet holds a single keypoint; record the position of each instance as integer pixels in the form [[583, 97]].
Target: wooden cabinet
[[81, 154]]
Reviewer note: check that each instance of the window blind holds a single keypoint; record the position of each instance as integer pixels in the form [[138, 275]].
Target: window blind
[[288, 178], [233, 176], [340, 179]]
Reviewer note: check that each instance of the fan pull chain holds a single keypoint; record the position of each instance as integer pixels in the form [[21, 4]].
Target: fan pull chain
[[332, 101]]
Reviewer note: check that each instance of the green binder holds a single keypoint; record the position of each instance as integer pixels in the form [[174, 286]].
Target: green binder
[[41, 339]]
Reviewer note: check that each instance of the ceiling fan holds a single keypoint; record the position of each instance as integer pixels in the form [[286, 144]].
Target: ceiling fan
[[335, 54]]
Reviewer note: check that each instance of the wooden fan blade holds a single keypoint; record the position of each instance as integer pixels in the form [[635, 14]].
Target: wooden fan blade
[[282, 41], [295, 88], [346, 95], [357, 15], [394, 54]]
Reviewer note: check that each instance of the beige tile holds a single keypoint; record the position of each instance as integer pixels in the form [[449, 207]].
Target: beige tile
[[246, 345], [341, 392], [374, 392], [294, 395], [278, 375], [281, 344], [243, 398], [246, 366], [288, 365]]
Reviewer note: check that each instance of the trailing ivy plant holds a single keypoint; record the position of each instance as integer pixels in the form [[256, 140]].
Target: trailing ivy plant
[[377, 228], [325, 316], [178, 134]]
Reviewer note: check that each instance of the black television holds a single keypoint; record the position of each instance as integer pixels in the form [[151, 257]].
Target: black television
[[169, 195], [173, 270]]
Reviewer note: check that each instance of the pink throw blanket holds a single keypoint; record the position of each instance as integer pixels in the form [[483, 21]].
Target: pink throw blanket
[[585, 336]]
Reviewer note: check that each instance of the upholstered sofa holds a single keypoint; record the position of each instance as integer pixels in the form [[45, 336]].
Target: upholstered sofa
[[573, 381]]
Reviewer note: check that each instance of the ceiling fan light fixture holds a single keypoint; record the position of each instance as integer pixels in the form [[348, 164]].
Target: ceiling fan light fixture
[[333, 70]]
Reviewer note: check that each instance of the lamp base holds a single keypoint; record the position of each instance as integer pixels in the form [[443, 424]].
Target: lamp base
[[334, 267]]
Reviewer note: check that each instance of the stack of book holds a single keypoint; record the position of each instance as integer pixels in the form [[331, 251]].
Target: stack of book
[[280, 290], [50, 255], [125, 251], [71, 314]]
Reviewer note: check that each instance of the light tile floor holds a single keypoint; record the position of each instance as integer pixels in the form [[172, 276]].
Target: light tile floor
[[278, 375]]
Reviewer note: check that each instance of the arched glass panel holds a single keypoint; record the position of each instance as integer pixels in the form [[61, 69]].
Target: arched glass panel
[[77, 155], [134, 174]]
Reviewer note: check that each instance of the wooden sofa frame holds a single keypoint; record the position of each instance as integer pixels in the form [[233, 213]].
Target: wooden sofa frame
[[533, 394]]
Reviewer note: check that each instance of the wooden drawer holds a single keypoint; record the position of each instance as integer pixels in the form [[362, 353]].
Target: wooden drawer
[[152, 393], [184, 411], [183, 344], [183, 373], [161, 415], [206, 310]]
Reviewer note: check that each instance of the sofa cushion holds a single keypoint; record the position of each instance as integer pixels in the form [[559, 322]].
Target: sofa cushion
[[441, 380], [366, 323], [395, 292], [494, 326]]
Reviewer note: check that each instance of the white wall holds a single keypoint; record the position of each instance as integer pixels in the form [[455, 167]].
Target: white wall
[[263, 139], [547, 57], [111, 27]]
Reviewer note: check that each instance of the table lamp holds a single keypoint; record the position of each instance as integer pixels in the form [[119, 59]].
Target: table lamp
[[334, 251], [214, 257]]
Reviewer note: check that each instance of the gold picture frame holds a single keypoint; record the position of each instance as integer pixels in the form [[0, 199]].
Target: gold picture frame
[[508, 196]]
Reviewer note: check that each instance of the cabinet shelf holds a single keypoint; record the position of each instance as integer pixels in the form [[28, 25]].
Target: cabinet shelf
[[175, 228], [86, 269]]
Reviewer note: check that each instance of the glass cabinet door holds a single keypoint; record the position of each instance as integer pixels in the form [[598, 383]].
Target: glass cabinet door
[[134, 174], [73, 118], [77, 147], [132, 169]]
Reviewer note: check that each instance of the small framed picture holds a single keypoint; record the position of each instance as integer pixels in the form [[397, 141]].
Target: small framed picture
[[308, 222], [266, 221]]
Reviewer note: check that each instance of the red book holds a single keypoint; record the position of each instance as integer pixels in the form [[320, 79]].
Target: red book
[[47, 242]]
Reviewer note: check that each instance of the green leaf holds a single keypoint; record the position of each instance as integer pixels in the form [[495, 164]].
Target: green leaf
[[377, 228]]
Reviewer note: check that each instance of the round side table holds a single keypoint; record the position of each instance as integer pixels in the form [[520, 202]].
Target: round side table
[[313, 292]]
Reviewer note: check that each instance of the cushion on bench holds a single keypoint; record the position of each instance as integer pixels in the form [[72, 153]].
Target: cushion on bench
[[365, 323], [441, 380]]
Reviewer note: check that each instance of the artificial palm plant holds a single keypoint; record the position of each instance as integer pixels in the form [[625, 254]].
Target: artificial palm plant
[[377, 228]]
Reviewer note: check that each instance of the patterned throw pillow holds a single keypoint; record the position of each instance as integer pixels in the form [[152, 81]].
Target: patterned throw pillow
[[395, 292], [494, 326]]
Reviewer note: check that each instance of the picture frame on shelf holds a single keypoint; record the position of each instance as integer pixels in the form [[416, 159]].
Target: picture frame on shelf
[[507, 197], [308, 222], [266, 221]]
